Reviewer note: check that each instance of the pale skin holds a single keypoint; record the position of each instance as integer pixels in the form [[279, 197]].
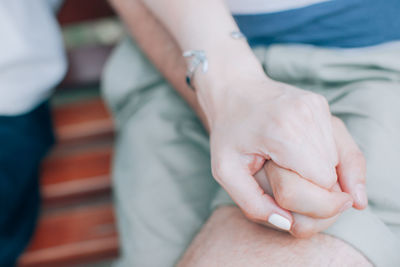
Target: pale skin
[[252, 196], [220, 243]]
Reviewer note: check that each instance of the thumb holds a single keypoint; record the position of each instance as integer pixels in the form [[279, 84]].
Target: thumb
[[234, 176], [352, 167]]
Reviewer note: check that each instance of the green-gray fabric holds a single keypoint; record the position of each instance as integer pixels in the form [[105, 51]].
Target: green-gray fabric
[[164, 189]]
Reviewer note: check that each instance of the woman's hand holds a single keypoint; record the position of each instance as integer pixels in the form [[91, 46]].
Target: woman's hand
[[316, 208], [272, 120], [253, 120]]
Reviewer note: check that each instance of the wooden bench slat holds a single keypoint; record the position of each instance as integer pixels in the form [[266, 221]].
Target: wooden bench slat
[[75, 176], [82, 121], [73, 236]]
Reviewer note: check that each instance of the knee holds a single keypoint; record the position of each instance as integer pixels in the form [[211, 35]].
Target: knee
[[228, 239]]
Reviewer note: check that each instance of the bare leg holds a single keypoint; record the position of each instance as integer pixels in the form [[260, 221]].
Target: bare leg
[[229, 239]]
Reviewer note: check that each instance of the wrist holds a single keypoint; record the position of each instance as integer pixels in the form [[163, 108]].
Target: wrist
[[225, 68], [228, 80]]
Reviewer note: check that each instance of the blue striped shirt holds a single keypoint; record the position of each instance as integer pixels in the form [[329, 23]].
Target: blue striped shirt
[[336, 23]]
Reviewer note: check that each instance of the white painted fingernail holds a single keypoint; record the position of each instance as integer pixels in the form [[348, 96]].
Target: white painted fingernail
[[279, 221]]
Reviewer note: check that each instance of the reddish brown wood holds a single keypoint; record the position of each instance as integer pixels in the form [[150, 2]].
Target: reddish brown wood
[[78, 175], [82, 121], [74, 11], [79, 235], [84, 233]]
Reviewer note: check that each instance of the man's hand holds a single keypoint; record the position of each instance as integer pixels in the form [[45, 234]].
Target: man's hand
[[352, 169], [313, 208]]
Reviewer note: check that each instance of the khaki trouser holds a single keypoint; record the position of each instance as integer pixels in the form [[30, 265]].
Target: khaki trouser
[[164, 189]]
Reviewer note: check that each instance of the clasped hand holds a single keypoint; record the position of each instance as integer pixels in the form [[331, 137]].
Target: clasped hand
[[283, 158]]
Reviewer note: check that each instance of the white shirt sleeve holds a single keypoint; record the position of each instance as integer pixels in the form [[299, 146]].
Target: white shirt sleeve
[[32, 57]]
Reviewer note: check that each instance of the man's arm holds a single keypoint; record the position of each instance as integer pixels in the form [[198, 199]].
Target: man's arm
[[156, 42]]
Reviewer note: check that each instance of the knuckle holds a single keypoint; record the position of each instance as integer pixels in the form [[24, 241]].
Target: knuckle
[[303, 230], [320, 100], [301, 108], [253, 213], [220, 169], [301, 104], [359, 163], [330, 211], [284, 125], [337, 121], [362, 164], [284, 196], [330, 180], [359, 158]]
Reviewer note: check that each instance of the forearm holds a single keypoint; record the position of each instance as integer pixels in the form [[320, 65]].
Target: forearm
[[159, 46], [200, 25]]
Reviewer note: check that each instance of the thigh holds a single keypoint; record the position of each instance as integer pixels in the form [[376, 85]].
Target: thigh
[[162, 176], [24, 141], [370, 111], [363, 89], [229, 239]]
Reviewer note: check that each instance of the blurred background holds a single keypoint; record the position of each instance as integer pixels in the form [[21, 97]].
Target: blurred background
[[77, 224]]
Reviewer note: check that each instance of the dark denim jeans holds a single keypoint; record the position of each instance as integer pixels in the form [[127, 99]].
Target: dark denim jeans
[[24, 141]]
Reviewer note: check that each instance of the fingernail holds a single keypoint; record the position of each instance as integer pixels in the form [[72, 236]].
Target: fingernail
[[361, 195], [346, 206], [279, 222]]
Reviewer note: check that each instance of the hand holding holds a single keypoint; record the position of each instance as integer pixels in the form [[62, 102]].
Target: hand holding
[[313, 208], [271, 121]]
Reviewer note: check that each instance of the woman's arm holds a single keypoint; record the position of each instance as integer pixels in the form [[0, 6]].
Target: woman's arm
[[162, 50], [206, 25]]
